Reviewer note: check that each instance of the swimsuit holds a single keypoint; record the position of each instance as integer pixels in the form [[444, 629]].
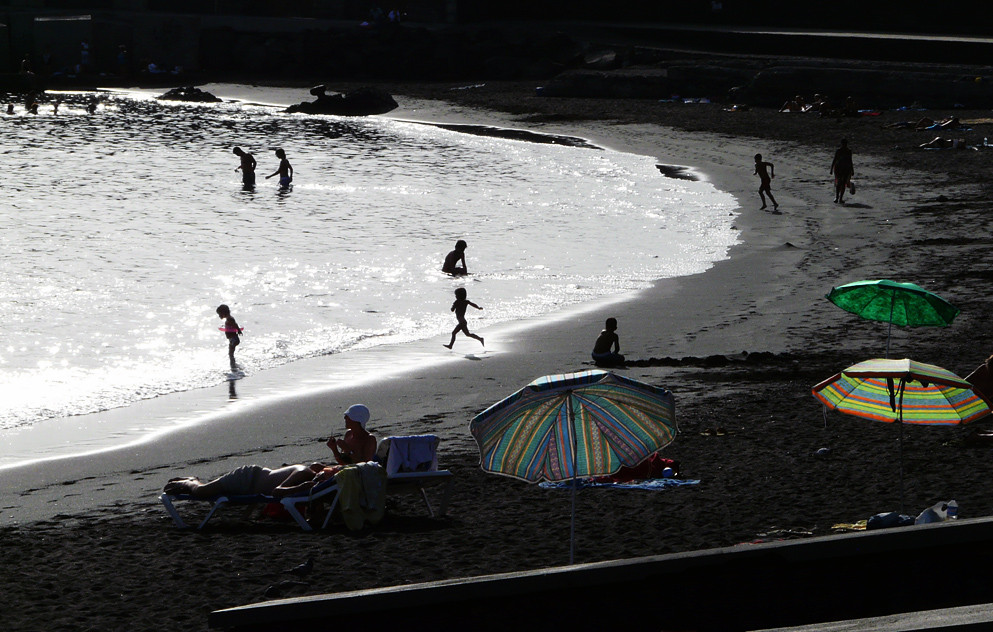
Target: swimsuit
[[284, 181]]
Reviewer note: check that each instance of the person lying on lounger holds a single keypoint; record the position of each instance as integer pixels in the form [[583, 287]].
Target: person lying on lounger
[[288, 480], [944, 143]]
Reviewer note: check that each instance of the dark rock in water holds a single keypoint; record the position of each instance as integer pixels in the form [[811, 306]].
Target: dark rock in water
[[359, 102], [190, 94]]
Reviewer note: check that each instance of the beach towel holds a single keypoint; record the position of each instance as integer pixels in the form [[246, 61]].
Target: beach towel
[[415, 453], [652, 484], [652, 467], [361, 494]]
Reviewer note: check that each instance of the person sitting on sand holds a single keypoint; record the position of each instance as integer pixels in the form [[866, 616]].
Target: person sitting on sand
[[796, 104], [606, 349], [454, 258], [357, 446], [288, 480], [944, 143]]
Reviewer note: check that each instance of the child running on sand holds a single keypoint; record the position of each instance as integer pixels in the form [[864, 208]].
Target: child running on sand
[[606, 349], [284, 171], [231, 330], [459, 306], [766, 171]]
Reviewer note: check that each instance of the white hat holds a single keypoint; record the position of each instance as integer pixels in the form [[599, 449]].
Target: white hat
[[358, 413]]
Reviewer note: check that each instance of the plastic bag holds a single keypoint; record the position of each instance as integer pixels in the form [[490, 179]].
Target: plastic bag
[[938, 512], [851, 188]]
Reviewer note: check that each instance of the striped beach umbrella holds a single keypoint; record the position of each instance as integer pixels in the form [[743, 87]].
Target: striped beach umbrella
[[902, 391], [903, 304], [574, 425]]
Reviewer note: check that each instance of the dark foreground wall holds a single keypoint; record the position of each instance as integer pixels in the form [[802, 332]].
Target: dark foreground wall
[[745, 587]]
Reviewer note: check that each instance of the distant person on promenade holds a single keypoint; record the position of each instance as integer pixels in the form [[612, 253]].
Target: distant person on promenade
[[284, 171], [766, 171], [459, 306], [357, 445], [231, 330], [606, 349], [454, 258], [843, 170], [247, 167]]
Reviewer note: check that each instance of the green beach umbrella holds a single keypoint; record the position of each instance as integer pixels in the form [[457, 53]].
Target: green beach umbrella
[[574, 425], [904, 304], [902, 391]]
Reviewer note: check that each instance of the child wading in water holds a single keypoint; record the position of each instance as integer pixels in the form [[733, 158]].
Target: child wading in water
[[231, 330], [284, 171], [459, 306]]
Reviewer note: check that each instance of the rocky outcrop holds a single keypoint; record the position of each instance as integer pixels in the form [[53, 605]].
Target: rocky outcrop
[[190, 94], [359, 102]]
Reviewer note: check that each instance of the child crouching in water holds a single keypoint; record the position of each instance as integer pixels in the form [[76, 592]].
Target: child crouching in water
[[459, 306]]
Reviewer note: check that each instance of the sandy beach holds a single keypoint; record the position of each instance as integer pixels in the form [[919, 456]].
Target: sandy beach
[[86, 545]]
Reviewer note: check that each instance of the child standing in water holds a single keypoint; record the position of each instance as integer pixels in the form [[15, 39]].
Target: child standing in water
[[285, 170], [606, 349], [231, 330], [459, 306]]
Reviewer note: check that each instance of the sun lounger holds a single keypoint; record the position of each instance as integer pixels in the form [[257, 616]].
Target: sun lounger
[[290, 503], [411, 464]]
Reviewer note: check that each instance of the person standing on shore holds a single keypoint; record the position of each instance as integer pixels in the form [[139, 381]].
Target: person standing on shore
[[459, 306], [766, 171], [247, 167], [843, 170], [231, 330], [284, 171]]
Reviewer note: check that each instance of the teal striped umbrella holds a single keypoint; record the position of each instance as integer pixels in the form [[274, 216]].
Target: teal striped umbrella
[[902, 391], [904, 304], [574, 425]]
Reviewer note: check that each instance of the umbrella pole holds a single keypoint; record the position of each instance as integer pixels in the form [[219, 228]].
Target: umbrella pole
[[575, 480], [890, 328], [900, 422]]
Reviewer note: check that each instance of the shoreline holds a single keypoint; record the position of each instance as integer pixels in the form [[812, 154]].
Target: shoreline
[[145, 421], [918, 216]]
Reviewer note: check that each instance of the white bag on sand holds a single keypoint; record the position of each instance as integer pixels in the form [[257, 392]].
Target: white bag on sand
[[939, 512]]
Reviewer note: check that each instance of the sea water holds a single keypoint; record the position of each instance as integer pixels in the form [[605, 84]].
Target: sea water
[[124, 230]]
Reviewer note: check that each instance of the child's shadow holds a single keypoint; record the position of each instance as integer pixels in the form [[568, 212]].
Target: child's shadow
[[856, 205], [472, 356]]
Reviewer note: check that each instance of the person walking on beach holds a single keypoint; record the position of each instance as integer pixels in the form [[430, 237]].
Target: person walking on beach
[[247, 167], [766, 171], [606, 349], [232, 331], [843, 170], [357, 446], [454, 258], [459, 306], [284, 171]]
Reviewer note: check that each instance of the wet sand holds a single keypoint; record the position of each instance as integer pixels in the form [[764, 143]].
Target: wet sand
[[85, 544]]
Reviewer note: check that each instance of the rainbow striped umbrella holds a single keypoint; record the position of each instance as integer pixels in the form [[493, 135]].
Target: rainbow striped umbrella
[[902, 391], [574, 425]]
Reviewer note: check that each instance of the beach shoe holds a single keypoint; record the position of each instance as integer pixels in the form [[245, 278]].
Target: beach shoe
[[720, 432]]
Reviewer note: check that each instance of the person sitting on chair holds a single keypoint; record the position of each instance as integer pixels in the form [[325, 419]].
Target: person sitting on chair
[[357, 446]]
